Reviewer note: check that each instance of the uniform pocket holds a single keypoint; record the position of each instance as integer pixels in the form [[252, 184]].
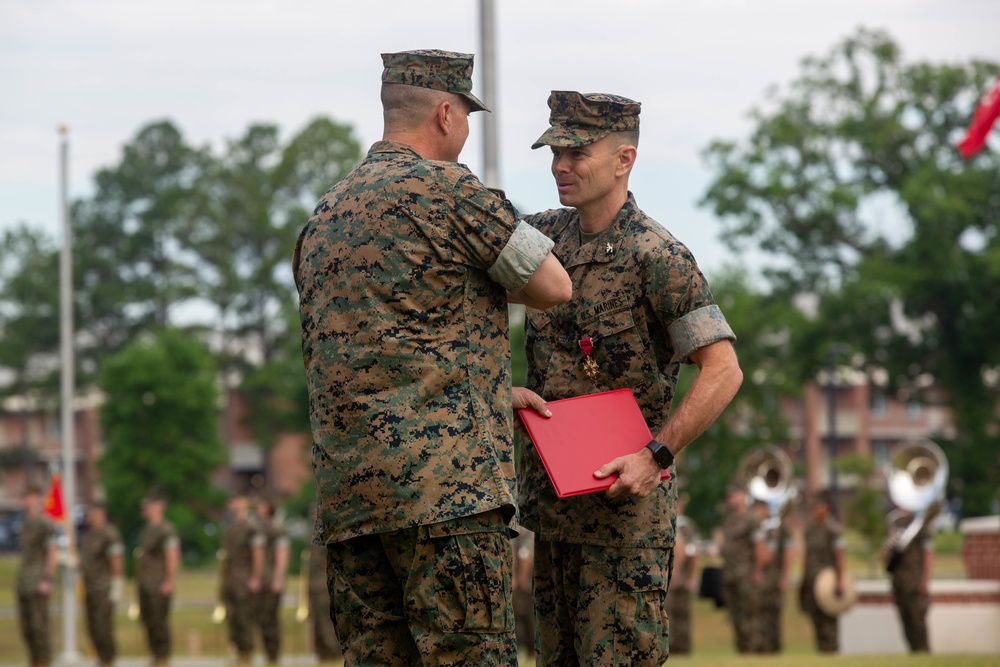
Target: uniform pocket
[[640, 606], [472, 575]]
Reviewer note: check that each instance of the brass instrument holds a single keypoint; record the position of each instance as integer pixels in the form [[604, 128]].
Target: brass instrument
[[219, 612], [302, 611], [766, 472], [916, 482]]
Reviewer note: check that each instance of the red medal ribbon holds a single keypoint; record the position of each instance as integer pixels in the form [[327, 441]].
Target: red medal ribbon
[[587, 345]]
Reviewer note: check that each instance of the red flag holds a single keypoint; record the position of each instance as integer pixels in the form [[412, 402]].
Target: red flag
[[54, 501], [982, 120]]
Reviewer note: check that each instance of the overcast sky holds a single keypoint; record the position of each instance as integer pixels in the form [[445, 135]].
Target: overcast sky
[[107, 68]]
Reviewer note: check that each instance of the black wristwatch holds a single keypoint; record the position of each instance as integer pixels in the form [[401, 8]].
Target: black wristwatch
[[661, 454]]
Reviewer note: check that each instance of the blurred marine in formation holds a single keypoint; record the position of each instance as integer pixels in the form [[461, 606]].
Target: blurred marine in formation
[[404, 273], [272, 582], [242, 565], [911, 576], [102, 565], [325, 644], [37, 545], [824, 547], [738, 555], [683, 581], [156, 572]]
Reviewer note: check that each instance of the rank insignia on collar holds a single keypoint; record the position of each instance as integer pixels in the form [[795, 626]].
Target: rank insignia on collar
[[609, 249]]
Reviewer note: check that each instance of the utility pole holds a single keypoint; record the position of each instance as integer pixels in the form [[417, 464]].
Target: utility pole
[[68, 383], [487, 58]]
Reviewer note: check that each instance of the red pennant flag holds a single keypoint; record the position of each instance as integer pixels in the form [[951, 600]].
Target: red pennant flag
[[54, 501], [982, 120]]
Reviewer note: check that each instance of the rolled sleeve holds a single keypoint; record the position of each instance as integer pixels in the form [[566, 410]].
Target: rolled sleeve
[[697, 329], [525, 251]]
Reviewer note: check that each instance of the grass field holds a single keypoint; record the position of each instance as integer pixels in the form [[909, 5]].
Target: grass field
[[195, 635]]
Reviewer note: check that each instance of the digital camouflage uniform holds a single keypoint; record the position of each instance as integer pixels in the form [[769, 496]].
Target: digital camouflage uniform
[[37, 537], [98, 547], [240, 539], [738, 529], [678, 596], [269, 602], [151, 568], [911, 604], [821, 543], [401, 273], [771, 598], [602, 565], [325, 643]]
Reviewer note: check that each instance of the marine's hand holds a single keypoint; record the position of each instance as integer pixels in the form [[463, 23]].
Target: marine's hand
[[638, 474], [525, 398]]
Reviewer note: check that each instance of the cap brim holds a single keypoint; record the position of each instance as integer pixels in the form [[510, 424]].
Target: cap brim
[[565, 137], [477, 104]]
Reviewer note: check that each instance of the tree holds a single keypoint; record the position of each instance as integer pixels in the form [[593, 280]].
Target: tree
[[860, 139], [160, 424], [29, 321], [129, 272], [247, 212]]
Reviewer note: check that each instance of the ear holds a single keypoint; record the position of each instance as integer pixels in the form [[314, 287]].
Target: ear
[[626, 160], [443, 115]]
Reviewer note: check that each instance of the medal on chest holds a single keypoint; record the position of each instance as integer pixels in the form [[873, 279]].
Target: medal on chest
[[589, 365]]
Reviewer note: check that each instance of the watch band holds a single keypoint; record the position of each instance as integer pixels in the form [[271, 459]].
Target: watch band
[[661, 454]]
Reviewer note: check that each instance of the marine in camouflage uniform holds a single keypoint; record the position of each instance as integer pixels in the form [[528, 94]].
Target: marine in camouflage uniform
[[403, 273], [325, 644], [775, 538], [910, 581], [101, 564], [738, 529], [37, 544], [824, 547], [242, 569], [156, 569], [682, 582], [640, 308], [272, 586]]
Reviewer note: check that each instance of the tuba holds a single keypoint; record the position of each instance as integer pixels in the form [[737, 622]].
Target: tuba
[[766, 473], [916, 481]]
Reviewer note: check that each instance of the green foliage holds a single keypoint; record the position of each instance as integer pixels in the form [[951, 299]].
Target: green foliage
[[160, 422], [862, 139], [865, 511], [29, 306]]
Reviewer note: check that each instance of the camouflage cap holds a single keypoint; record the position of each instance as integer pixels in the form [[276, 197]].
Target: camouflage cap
[[447, 71], [577, 119]]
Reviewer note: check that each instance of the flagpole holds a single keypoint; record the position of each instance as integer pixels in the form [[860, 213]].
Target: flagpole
[[70, 654]]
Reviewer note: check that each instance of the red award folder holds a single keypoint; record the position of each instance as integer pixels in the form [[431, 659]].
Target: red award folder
[[584, 433]]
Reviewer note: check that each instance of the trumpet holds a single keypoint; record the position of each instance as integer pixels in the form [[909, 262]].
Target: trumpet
[[219, 612], [302, 611], [916, 483]]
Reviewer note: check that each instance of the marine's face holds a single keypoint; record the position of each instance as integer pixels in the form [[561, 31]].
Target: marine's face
[[585, 174]]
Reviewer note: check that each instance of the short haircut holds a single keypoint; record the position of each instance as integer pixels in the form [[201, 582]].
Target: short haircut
[[405, 106], [625, 138]]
